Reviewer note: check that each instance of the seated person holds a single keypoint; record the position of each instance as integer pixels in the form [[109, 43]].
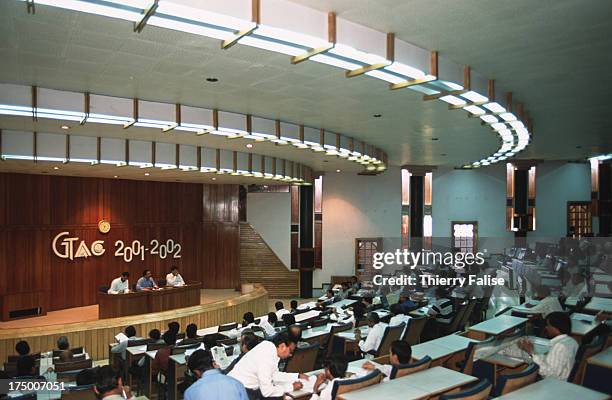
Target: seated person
[[120, 285], [406, 304], [146, 282], [334, 369], [160, 363], [399, 317], [280, 309], [122, 346], [64, 347], [272, 319], [109, 385], [442, 308], [155, 336], [174, 327], [329, 298], [86, 377], [258, 369], [400, 353], [375, 334], [547, 304], [559, 360], [294, 306], [267, 326], [22, 348], [191, 336], [355, 284], [174, 278], [26, 368], [248, 341], [288, 319], [211, 383]]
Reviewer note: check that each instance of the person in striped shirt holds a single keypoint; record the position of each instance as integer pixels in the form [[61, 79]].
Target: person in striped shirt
[[442, 308]]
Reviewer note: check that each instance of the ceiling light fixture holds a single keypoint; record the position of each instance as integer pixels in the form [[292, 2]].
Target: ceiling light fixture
[[146, 174], [65, 127], [249, 145]]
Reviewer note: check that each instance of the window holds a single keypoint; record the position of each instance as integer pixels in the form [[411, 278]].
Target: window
[[364, 253], [579, 219], [464, 234]]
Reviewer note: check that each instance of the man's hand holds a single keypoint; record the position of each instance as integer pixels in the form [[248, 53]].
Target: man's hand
[[318, 382], [357, 334], [526, 345], [368, 366], [297, 385], [303, 376]]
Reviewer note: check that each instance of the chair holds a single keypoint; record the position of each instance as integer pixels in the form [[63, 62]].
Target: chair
[[228, 327], [467, 364], [304, 359], [391, 334], [29, 396], [138, 342], [84, 392], [178, 350], [584, 352], [468, 313], [511, 382], [328, 348], [453, 326], [10, 368], [414, 329], [348, 385], [406, 369], [480, 391], [72, 365], [227, 342], [155, 346], [103, 288], [319, 322]]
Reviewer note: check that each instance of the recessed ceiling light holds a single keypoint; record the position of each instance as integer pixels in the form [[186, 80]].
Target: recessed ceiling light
[[212, 80], [249, 145], [56, 168], [377, 115], [116, 176], [338, 170], [147, 174], [65, 127], [213, 178], [434, 138], [131, 78]]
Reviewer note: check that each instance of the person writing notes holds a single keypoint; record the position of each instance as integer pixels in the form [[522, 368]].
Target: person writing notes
[[146, 282], [120, 285], [174, 278]]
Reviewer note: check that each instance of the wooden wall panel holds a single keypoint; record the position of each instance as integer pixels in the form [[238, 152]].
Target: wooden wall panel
[[202, 218]]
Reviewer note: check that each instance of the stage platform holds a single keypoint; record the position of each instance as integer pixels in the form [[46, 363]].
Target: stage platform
[[83, 328]]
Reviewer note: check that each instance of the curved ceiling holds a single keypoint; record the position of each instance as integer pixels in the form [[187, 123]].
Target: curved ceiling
[[556, 55]]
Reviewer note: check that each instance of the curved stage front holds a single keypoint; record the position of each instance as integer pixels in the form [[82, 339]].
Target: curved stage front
[[96, 335]]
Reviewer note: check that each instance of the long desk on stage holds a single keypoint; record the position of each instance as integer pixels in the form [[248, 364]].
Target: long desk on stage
[[148, 301]]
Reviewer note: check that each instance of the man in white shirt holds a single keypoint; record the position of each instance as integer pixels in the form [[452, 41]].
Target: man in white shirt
[[120, 285], [399, 317], [375, 334], [334, 369], [258, 369], [174, 278], [400, 353], [121, 347], [559, 360], [280, 310]]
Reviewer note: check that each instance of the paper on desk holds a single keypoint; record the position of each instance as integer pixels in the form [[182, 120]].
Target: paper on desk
[[121, 337], [189, 352]]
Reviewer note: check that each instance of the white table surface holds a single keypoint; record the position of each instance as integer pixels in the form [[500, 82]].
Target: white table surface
[[554, 389], [603, 359], [600, 304], [419, 385], [498, 325]]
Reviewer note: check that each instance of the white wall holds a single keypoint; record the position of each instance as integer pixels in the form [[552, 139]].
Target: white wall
[[356, 206], [270, 215], [556, 184], [472, 195]]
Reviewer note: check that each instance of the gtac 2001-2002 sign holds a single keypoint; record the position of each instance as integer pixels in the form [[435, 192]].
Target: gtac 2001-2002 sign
[[69, 247]]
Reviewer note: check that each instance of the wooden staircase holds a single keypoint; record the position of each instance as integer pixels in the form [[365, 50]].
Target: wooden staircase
[[259, 264]]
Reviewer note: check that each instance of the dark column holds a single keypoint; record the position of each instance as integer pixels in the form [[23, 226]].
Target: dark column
[[306, 258]]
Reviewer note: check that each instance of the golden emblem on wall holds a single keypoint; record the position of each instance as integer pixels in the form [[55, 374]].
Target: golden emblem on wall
[[104, 226]]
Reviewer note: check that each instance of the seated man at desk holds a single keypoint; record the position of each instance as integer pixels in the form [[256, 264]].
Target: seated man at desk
[[559, 360], [174, 278], [547, 304], [109, 385], [121, 347], [146, 282], [335, 369], [442, 308], [375, 334], [120, 285], [400, 353]]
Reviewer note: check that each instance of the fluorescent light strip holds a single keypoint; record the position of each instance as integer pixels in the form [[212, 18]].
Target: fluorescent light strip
[[490, 119], [335, 62], [456, 101], [292, 38], [271, 45], [475, 110], [100, 7], [494, 107], [474, 97], [406, 70]]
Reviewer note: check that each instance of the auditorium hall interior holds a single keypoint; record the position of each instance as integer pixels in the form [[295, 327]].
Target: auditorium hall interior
[[305, 199]]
